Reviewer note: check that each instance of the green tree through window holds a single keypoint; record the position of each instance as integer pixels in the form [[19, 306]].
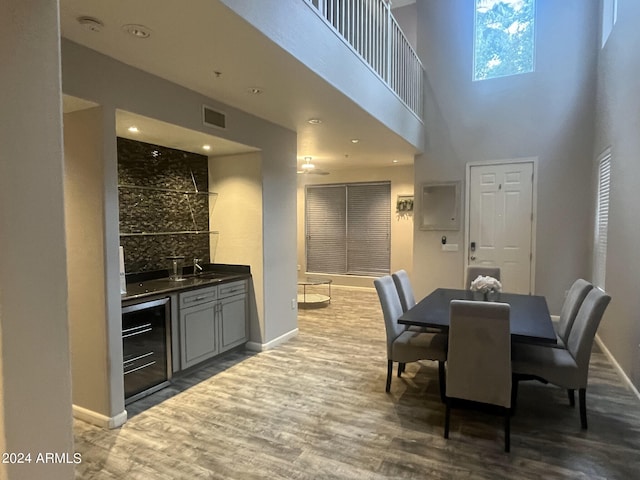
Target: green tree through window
[[504, 38]]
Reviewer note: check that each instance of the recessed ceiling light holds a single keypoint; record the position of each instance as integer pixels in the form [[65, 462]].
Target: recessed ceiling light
[[314, 121], [133, 129], [91, 23], [355, 140], [206, 147], [254, 90], [394, 161], [139, 31]]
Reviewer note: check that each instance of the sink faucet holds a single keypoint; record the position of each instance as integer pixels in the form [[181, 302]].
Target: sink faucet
[[196, 266]]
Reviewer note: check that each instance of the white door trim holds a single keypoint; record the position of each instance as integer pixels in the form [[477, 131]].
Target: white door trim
[[508, 161]]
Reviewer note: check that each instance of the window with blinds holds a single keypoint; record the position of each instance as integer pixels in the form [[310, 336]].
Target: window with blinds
[[602, 219], [348, 228]]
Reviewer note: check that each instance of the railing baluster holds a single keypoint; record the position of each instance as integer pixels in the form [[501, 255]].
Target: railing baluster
[[369, 27]]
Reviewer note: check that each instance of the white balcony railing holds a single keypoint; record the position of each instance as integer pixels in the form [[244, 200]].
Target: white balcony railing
[[369, 27]]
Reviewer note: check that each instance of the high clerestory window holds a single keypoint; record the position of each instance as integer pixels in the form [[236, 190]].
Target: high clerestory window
[[504, 41]]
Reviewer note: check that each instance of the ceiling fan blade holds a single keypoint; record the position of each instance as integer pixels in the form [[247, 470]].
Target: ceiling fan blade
[[313, 171]]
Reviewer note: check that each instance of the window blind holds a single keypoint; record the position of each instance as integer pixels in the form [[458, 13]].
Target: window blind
[[348, 228], [602, 219], [326, 218], [368, 229]]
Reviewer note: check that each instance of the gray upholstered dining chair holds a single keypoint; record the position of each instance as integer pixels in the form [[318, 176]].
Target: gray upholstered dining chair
[[405, 291], [563, 323], [479, 358], [474, 270], [567, 368], [405, 346]]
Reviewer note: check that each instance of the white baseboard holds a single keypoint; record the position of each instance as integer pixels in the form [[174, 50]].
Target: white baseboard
[[95, 418], [617, 367], [261, 347]]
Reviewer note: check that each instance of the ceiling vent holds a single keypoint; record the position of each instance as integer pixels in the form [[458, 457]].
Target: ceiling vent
[[213, 118]]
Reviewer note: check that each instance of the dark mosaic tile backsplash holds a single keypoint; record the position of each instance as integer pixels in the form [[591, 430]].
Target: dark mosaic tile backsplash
[[155, 211]]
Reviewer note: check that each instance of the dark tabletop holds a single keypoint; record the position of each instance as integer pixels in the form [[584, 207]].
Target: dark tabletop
[[530, 319]]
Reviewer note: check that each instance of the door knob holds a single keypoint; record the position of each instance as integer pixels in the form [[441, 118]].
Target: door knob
[[472, 257]]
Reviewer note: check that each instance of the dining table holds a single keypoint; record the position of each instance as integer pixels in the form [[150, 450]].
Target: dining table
[[530, 320]]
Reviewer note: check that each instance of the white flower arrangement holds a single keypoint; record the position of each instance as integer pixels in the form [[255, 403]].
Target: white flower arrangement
[[486, 284]]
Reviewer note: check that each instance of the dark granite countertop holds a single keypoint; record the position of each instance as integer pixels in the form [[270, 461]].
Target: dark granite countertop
[[146, 284]]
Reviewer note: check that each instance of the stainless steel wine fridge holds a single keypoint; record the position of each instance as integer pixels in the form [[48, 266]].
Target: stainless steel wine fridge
[[146, 341]]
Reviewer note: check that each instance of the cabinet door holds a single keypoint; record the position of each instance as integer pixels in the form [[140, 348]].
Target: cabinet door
[[233, 321], [199, 338]]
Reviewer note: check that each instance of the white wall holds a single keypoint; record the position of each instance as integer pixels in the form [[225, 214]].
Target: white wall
[[401, 178], [547, 114], [35, 380], [237, 179], [618, 124]]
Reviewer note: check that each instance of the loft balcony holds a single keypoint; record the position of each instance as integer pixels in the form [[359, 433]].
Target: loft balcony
[[370, 29], [356, 47]]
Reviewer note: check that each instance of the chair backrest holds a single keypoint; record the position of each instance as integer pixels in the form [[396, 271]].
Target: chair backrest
[[405, 291], [575, 297], [391, 308], [584, 329], [479, 356], [473, 271]]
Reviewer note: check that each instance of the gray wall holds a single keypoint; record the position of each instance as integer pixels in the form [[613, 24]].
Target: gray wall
[[406, 18], [547, 114], [35, 372], [296, 28], [617, 125], [114, 85]]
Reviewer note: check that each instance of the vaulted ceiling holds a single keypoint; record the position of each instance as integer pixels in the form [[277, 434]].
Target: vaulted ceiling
[[190, 41]]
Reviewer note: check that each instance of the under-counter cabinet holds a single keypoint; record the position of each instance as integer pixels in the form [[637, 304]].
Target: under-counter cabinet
[[233, 314], [212, 320]]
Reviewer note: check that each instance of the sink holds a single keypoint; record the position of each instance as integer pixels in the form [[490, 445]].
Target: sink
[[211, 275]]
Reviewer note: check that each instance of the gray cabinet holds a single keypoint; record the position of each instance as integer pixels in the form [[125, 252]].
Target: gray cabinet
[[233, 314], [198, 326], [212, 320]]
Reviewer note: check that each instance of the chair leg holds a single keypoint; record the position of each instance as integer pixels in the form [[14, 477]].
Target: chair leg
[[389, 373], [443, 381], [447, 415], [514, 394], [571, 393], [582, 395], [507, 430], [401, 367]]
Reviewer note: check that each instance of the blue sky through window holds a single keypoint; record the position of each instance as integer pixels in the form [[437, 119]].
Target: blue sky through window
[[504, 38]]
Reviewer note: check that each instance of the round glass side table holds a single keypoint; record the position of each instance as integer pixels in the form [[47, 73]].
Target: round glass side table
[[312, 296]]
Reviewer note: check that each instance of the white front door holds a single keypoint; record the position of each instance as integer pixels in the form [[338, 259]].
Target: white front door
[[500, 220]]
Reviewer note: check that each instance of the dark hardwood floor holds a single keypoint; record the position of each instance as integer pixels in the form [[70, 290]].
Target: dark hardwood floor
[[315, 408]]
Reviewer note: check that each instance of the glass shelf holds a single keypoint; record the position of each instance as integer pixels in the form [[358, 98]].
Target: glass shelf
[[185, 232], [167, 190], [148, 211]]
